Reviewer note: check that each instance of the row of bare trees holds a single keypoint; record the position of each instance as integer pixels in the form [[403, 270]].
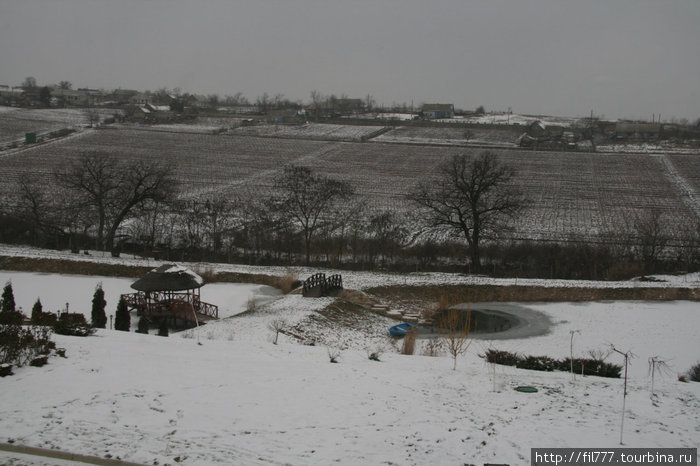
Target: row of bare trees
[[96, 195], [311, 217]]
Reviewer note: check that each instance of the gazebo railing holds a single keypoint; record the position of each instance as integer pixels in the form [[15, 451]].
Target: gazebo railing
[[163, 304]]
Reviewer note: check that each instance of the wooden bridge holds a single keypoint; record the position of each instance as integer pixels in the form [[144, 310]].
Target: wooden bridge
[[318, 285]]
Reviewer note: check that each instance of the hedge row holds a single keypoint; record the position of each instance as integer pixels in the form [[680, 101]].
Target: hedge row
[[587, 366]]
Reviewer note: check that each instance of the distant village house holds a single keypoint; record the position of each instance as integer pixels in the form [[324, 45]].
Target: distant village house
[[436, 111]]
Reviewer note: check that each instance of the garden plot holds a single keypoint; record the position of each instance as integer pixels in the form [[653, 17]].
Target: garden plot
[[319, 131], [451, 136], [15, 122]]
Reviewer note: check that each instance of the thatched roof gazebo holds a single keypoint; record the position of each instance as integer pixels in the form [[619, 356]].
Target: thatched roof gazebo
[[169, 277], [170, 292]]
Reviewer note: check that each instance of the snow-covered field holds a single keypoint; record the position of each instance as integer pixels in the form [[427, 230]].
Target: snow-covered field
[[321, 131], [441, 135], [15, 122], [236, 398], [243, 400]]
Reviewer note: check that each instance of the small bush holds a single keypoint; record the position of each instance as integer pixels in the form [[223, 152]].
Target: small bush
[[375, 354], [504, 358], [21, 345], [288, 282], [432, 347], [11, 318], [5, 370], [46, 319], [333, 354], [694, 373], [591, 366], [537, 363], [39, 361], [73, 324]]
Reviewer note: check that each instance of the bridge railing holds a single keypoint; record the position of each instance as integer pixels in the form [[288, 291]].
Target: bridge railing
[[319, 285]]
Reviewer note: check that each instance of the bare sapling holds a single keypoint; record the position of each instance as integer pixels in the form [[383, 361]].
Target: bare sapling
[[277, 326], [455, 326], [251, 304], [571, 351], [657, 366], [333, 353], [336, 348], [374, 354], [627, 355], [432, 347]]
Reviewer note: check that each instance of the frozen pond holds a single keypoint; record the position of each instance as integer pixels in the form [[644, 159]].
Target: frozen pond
[[57, 290], [498, 321]]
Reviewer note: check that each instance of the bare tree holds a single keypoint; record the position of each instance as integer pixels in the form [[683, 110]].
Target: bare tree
[[92, 115], [316, 100], [385, 235], [688, 250], [277, 326], [29, 82], [263, 103], [219, 219], [653, 237], [113, 189], [369, 102], [455, 326], [65, 85], [308, 199], [473, 198]]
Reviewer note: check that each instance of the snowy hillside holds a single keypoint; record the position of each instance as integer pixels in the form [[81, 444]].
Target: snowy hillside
[[236, 398]]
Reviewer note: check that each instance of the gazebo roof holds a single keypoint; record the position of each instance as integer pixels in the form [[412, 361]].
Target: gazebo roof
[[169, 277]]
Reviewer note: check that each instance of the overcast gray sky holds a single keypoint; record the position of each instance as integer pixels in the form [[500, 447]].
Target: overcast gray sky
[[619, 58]]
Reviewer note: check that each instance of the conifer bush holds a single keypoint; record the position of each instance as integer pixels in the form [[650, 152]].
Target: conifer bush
[[163, 328], [8, 298], [37, 310], [73, 324], [99, 317], [143, 325], [122, 318]]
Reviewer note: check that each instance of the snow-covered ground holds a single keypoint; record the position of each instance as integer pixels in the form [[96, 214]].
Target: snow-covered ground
[[239, 399], [236, 398]]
